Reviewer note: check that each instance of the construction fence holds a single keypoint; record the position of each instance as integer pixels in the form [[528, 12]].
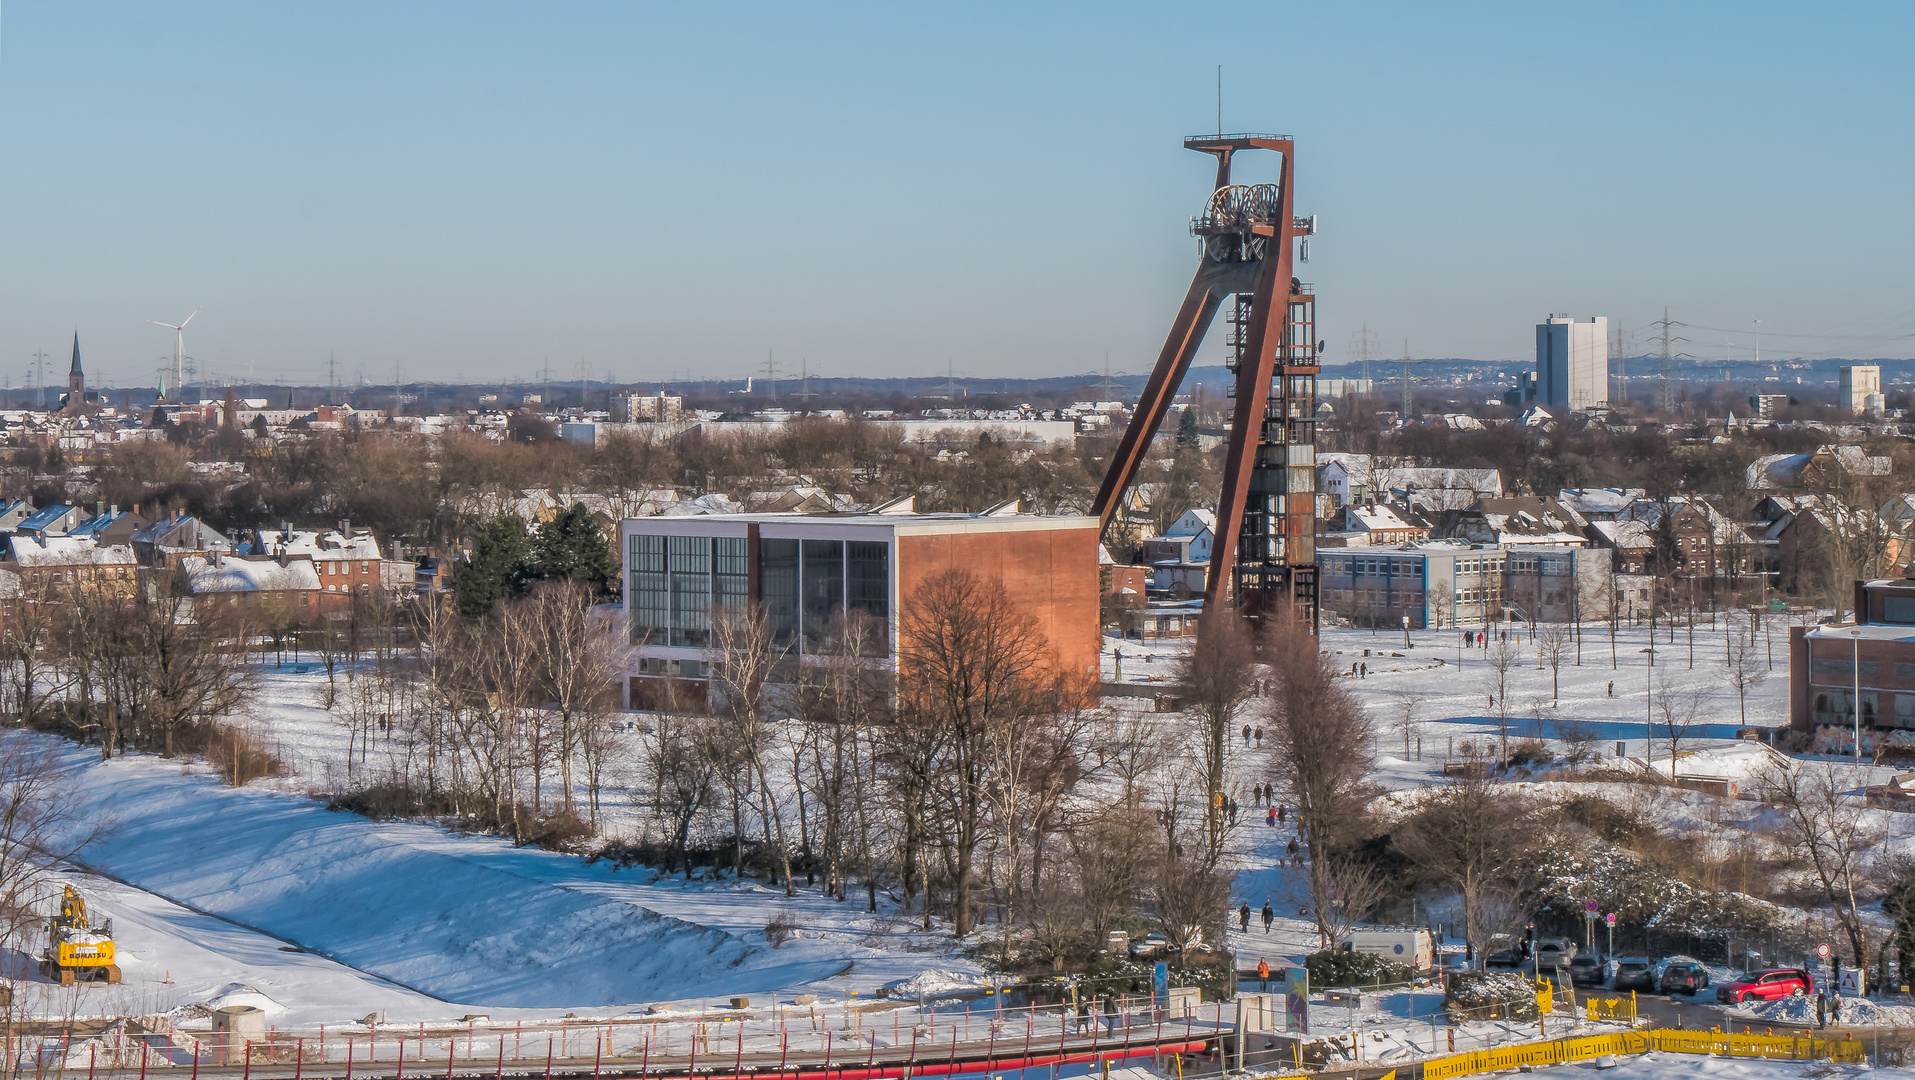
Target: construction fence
[[1668, 1040]]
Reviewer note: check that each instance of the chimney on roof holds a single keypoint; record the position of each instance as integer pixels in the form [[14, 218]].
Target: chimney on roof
[[345, 527]]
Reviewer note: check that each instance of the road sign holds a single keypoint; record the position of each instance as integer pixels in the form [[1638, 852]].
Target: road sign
[[1589, 906], [1611, 918], [1822, 950]]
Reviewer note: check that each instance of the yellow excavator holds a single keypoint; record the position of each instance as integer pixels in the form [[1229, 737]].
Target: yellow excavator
[[78, 951]]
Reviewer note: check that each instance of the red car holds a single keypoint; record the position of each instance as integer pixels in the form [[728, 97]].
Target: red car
[[1766, 986]]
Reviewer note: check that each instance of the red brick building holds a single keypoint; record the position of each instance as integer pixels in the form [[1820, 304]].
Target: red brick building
[[1826, 664], [807, 569]]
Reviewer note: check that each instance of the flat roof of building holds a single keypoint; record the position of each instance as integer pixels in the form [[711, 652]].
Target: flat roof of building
[[717, 524], [1865, 632]]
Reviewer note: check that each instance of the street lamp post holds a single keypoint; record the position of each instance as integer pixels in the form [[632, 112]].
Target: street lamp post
[[1855, 643], [1649, 711]]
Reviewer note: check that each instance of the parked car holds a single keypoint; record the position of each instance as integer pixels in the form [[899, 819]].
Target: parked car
[[1504, 958], [1767, 986], [1554, 953], [1685, 978], [1586, 969], [1150, 945], [1634, 973]]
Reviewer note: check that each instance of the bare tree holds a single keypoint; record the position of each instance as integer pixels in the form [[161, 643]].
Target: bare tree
[[579, 656], [969, 661], [1321, 742], [1219, 674], [1824, 825], [1555, 644], [1745, 662], [1408, 704], [1471, 834], [1677, 701], [1356, 887], [1502, 656], [42, 827], [742, 679], [196, 662]]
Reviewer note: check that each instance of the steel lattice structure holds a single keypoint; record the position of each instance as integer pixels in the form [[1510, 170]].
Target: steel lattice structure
[[1264, 555]]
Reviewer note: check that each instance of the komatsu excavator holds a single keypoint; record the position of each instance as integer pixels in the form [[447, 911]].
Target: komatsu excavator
[[78, 951]]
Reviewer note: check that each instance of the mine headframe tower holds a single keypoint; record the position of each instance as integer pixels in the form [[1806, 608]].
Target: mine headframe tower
[[1264, 555]]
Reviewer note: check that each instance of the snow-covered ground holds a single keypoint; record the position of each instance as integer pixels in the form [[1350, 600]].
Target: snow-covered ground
[[415, 923]]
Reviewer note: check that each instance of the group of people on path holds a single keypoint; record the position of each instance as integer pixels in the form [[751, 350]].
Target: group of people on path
[[1088, 1005], [1243, 916]]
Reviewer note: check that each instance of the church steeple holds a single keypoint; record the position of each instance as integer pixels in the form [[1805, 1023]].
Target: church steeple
[[76, 381]]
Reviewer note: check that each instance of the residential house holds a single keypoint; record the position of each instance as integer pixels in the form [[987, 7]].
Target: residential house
[[52, 564], [1814, 537], [51, 520], [1512, 520], [347, 560], [1188, 540], [1378, 524], [13, 512], [112, 525], [216, 579], [1629, 542], [165, 542], [1713, 544], [1598, 504], [1825, 466]]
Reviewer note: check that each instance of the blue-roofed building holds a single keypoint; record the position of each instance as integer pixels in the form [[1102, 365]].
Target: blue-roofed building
[[111, 526], [13, 512], [165, 542], [55, 520]]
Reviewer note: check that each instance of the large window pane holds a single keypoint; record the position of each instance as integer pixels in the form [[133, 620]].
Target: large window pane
[[778, 588], [823, 594], [731, 580], [688, 559], [651, 608]]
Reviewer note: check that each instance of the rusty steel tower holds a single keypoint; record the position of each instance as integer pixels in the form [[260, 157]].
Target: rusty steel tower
[[1264, 555]]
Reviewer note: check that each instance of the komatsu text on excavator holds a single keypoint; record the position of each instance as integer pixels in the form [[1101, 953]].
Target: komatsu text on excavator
[[78, 951]]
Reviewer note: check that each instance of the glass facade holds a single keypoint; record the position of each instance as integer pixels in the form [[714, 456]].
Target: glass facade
[[675, 582]]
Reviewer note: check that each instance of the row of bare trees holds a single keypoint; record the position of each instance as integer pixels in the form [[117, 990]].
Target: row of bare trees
[[508, 721]]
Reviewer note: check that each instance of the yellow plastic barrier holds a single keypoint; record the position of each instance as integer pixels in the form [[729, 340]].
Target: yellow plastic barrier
[[1557, 1051], [1596, 1008]]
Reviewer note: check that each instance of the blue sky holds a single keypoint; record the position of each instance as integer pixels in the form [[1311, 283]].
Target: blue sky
[[474, 191]]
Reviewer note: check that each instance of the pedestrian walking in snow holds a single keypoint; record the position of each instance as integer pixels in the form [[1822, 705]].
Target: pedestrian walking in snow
[[1366, 671], [1268, 916], [1292, 848], [1243, 917], [1259, 734], [1281, 810], [1271, 820], [1246, 734], [1083, 1015]]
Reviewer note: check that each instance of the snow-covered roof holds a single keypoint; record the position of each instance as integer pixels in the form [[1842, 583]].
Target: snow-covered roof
[[1194, 522], [225, 574], [1608, 501], [324, 545], [1374, 517], [1628, 535], [29, 551]]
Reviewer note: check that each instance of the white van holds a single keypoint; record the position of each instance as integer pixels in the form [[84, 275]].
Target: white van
[[1408, 945]]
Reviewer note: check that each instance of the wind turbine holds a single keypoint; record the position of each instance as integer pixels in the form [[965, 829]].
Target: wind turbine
[[179, 347]]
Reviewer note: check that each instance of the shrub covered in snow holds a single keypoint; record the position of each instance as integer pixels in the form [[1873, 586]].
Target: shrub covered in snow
[[1344, 968], [1483, 995]]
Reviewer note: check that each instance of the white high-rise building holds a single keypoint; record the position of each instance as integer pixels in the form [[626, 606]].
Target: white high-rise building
[[1859, 383], [1572, 363]]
